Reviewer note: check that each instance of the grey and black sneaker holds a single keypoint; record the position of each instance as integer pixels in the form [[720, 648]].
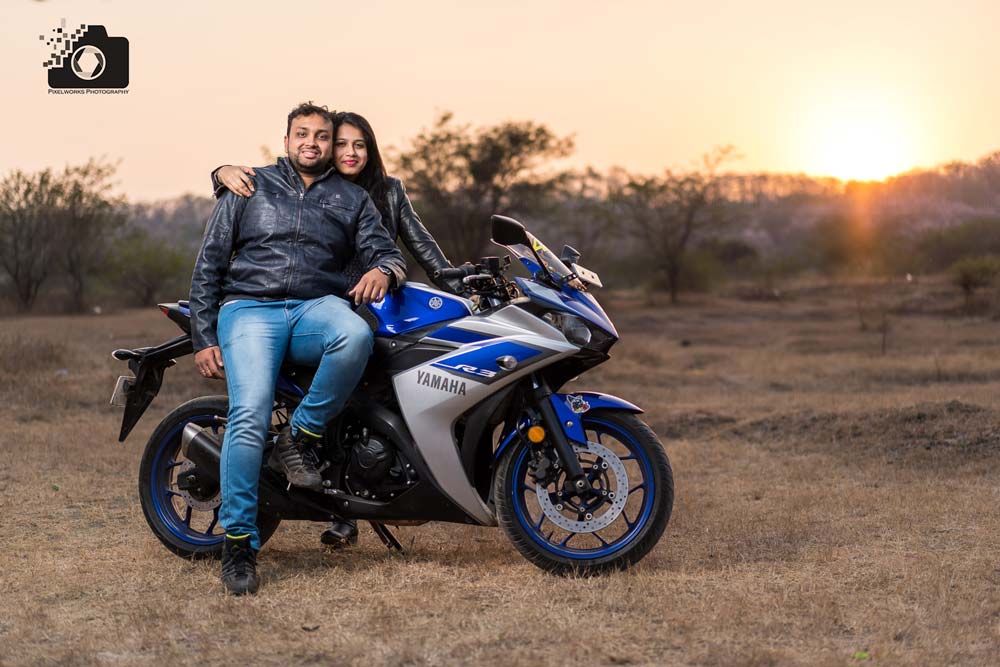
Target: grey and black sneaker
[[291, 456], [239, 566]]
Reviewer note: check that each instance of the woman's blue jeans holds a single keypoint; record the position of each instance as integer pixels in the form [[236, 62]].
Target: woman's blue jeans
[[256, 337]]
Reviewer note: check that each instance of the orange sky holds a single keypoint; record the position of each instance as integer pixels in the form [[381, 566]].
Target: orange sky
[[849, 88]]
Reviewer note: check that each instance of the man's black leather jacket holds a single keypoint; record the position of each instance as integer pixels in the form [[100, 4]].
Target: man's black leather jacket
[[285, 242], [402, 222]]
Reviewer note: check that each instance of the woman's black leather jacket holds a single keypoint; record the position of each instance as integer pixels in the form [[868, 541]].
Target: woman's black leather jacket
[[403, 223]]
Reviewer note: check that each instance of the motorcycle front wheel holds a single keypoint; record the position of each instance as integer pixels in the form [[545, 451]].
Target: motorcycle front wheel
[[610, 530], [186, 521]]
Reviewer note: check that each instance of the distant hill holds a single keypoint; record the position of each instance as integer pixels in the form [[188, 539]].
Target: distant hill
[[180, 222]]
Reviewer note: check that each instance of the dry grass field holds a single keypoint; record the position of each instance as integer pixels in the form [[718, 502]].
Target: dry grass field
[[835, 506]]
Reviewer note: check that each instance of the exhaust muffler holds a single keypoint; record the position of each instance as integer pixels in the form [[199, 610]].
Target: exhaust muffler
[[201, 447]]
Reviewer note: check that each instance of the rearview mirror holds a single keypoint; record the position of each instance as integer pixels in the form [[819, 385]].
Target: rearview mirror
[[507, 231], [570, 255]]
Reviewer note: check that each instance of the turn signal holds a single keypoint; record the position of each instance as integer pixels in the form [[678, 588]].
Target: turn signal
[[536, 434]]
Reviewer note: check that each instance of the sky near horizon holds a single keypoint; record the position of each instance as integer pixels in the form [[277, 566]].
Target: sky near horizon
[[853, 89]]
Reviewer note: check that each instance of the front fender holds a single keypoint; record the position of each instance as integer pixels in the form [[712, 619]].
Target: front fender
[[569, 408]]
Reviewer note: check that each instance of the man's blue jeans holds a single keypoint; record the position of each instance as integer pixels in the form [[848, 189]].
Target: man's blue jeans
[[255, 337]]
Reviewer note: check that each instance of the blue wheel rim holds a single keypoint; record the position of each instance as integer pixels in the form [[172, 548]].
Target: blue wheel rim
[[537, 529], [164, 462]]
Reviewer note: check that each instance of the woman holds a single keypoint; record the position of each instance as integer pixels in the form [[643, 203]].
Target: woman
[[356, 157]]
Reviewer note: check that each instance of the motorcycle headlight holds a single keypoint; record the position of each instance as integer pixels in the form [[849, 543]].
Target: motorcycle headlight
[[574, 328]]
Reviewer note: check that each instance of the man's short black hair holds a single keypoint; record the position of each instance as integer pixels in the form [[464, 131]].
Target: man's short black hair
[[308, 109]]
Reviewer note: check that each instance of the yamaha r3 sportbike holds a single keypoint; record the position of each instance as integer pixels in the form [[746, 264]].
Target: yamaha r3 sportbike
[[459, 417]]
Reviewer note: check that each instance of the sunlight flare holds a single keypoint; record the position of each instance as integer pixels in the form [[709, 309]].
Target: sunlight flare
[[858, 138]]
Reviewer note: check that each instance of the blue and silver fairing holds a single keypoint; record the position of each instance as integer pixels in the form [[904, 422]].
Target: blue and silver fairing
[[415, 306], [490, 351], [543, 264], [570, 300]]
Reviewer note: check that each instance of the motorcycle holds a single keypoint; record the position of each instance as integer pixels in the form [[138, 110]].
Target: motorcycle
[[458, 418]]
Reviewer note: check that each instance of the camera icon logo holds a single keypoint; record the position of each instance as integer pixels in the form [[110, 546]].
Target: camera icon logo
[[88, 62], [86, 57]]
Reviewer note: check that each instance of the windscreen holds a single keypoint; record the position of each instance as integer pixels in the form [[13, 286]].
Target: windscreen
[[550, 262]]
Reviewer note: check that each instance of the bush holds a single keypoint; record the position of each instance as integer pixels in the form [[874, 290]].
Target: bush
[[146, 269], [700, 272], [941, 248], [735, 256], [973, 273]]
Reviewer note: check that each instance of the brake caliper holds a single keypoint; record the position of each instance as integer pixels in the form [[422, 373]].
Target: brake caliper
[[543, 468]]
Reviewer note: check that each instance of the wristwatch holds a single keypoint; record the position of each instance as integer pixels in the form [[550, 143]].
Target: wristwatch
[[388, 273]]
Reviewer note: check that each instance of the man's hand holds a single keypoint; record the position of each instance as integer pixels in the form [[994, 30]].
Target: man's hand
[[372, 287], [209, 362], [237, 179]]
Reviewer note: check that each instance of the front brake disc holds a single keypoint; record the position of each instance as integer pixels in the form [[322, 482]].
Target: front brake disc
[[612, 509]]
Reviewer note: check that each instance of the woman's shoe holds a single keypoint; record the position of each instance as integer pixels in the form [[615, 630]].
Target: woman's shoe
[[340, 534]]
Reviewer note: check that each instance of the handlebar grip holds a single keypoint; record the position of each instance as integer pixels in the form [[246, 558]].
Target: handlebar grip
[[456, 272]]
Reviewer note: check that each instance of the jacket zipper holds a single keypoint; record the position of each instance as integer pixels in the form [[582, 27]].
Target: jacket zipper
[[298, 225], [293, 254]]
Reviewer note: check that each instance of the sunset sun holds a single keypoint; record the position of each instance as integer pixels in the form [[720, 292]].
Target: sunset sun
[[858, 139]]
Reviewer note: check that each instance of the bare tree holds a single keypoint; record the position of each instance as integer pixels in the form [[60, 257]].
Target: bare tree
[[88, 216], [29, 210], [579, 213], [666, 213], [460, 176]]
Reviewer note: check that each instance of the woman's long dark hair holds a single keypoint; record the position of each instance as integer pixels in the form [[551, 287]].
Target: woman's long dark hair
[[373, 177]]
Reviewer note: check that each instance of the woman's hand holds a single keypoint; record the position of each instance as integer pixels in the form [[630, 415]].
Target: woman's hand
[[236, 179]]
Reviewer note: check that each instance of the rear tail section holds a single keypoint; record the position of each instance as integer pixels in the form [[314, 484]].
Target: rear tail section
[[147, 365]]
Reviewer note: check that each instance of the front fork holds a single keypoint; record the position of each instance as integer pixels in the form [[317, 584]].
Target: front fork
[[576, 480]]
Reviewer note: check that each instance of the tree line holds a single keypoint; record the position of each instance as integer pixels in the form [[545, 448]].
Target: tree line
[[68, 234]]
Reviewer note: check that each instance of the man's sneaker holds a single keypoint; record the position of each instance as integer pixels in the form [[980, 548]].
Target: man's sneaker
[[239, 566], [340, 534], [289, 457]]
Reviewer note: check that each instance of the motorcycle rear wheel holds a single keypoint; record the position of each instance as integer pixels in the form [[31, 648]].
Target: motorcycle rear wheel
[[185, 522], [557, 533]]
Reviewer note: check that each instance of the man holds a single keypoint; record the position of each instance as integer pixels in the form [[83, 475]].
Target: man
[[269, 282]]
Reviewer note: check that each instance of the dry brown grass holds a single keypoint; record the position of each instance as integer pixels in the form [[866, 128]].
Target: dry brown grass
[[830, 500]]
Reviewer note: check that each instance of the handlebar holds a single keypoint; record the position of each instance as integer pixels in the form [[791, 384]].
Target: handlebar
[[485, 280], [456, 272]]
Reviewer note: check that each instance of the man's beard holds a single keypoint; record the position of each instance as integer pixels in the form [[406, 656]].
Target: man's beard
[[313, 170]]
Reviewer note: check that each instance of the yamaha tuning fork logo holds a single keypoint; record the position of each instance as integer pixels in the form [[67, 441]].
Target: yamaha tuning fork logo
[[85, 60]]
